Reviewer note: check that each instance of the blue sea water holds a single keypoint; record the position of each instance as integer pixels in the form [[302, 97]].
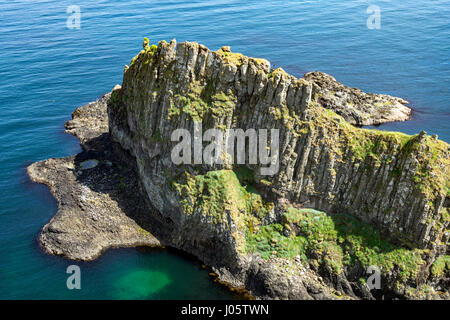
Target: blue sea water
[[47, 69]]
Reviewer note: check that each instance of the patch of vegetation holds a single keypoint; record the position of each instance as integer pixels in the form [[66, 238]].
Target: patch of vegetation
[[190, 105], [200, 101], [335, 240], [432, 173], [269, 240], [278, 71], [220, 192], [231, 57], [441, 266], [146, 54], [238, 58]]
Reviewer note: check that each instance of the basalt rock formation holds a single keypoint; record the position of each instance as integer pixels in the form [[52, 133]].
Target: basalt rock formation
[[344, 198], [396, 182]]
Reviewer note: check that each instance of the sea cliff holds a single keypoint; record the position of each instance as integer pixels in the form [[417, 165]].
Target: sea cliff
[[344, 198]]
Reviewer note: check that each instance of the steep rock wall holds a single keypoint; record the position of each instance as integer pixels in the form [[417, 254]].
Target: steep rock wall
[[397, 183]]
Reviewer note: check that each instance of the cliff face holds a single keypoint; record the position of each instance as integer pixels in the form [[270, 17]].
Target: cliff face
[[397, 183], [258, 232]]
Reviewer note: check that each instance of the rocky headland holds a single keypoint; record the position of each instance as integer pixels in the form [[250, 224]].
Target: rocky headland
[[344, 198]]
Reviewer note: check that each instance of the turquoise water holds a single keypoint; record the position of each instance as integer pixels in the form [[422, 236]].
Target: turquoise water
[[46, 70]]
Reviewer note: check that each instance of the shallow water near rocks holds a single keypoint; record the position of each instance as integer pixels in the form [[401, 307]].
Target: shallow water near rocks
[[47, 70], [89, 164]]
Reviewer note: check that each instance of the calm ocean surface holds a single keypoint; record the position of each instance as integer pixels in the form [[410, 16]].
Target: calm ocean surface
[[46, 70]]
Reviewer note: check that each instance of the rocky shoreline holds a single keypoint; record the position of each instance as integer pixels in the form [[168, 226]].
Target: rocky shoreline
[[97, 193], [355, 106], [256, 234]]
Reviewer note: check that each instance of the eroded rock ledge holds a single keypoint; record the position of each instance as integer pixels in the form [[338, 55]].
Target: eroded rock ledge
[[357, 107], [255, 232], [99, 206]]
